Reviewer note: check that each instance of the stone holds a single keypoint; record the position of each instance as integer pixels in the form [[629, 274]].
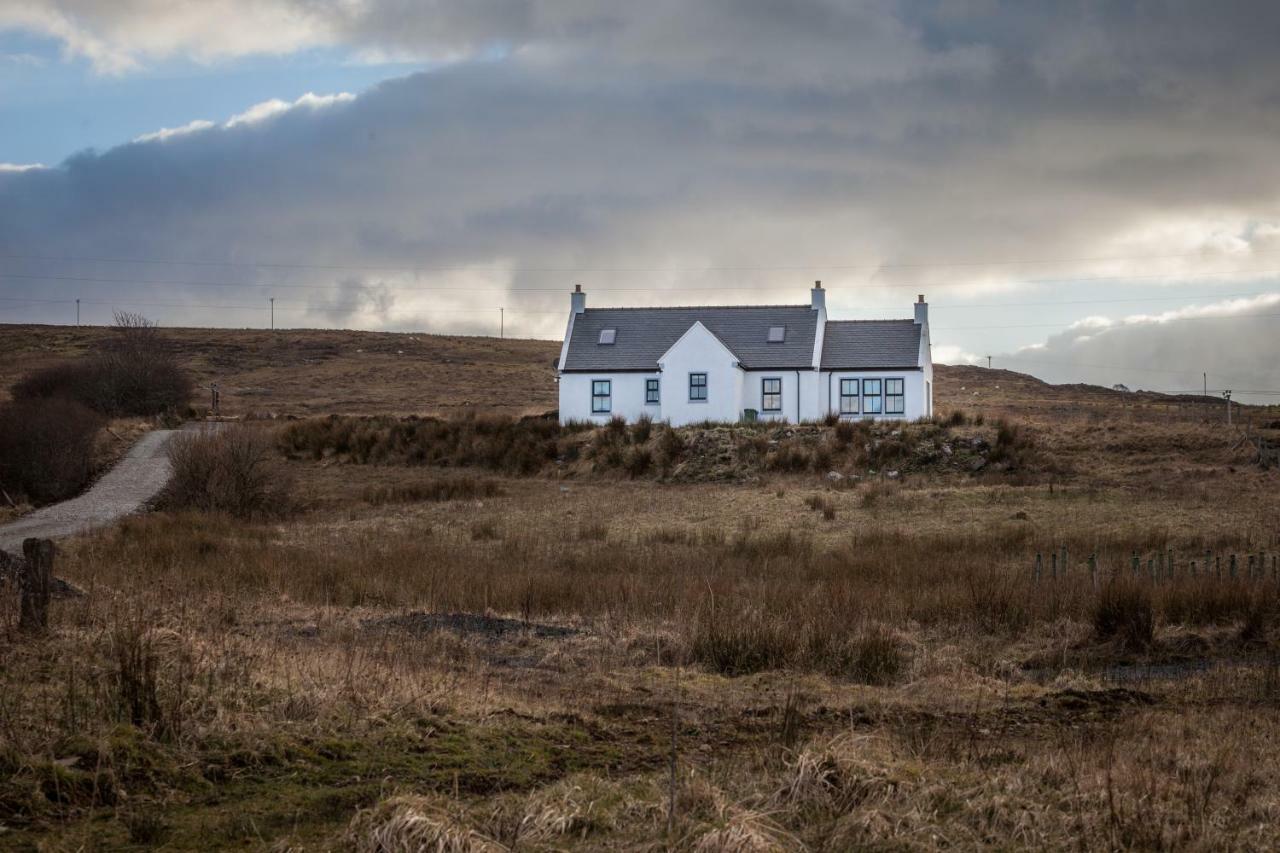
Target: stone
[[835, 476]]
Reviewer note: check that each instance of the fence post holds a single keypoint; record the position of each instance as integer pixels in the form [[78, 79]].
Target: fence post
[[1064, 562], [35, 582], [1233, 566], [1039, 567], [1136, 565], [1093, 570], [1172, 572], [1193, 569], [1053, 565]]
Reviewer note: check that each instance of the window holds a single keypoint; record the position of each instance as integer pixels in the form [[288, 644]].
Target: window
[[777, 334], [608, 336], [697, 386], [601, 396], [651, 391], [771, 395], [894, 401], [848, 396], [872, 403]]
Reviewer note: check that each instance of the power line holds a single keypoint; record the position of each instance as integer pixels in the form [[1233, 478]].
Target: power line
[[865, 265]]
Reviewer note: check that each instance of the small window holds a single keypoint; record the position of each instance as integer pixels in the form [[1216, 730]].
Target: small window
[[697, 386], [601, 396], [872, 402], [771, 395], [608, 336], [848, 396], [651, 391], [777, 334], [894, 399]]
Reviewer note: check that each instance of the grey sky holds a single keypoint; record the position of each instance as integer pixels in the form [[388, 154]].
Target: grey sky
[[1026, 165]]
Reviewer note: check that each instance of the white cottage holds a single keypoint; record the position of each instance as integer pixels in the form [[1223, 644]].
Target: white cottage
[[727, 363]]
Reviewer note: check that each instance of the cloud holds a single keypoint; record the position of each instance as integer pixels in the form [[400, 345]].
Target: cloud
[[274, 107], [166, 133], [1234, 341], [664, 151], [21, 167]]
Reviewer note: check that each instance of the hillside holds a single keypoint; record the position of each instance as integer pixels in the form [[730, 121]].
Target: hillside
[[308, 371]]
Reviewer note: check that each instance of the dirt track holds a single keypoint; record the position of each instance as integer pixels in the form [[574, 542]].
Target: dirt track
[[136, 479]]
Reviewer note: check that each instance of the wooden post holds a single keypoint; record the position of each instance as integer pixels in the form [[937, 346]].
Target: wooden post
[[35, 583], [1233, 566], [1193, 569], [1053, 565], [1039, 567], [1172, 573], [1136, 564], [1093, 570], [1064, 562]]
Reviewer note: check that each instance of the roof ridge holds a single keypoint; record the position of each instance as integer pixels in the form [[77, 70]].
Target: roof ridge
[[697, 307], [850, 322]]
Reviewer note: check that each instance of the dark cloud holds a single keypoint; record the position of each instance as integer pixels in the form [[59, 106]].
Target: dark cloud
[[751, 145]]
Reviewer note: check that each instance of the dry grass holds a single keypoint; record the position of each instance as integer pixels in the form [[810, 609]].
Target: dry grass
[[445, 657]]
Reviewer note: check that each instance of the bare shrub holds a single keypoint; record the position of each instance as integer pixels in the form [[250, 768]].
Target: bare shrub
[[638, 461], [134, 373], [231, 470], [46, 448], [1123, 611], [641, 429]]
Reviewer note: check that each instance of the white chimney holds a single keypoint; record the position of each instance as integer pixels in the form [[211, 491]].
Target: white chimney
[[818, 297], [578, 300], [922, 311]]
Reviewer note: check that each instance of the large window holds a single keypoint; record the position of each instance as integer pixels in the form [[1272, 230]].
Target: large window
[[848, 396], [872, 402], [651, 391], [697, 386], [771, 394], [601, 396], [894, 400]]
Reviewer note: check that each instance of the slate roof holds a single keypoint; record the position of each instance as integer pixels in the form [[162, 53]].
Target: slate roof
[[644, 334], [870, 344]]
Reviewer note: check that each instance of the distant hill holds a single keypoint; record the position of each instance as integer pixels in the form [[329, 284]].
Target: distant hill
[[309, 371]]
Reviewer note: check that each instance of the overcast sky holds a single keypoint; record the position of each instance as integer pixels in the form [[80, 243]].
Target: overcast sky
[[1085, 191]]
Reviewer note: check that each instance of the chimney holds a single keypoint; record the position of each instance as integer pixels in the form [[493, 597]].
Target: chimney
[[578, 300], [818, 297], [922, 311]]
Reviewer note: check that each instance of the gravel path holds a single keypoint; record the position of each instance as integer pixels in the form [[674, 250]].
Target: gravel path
[[135, 479]]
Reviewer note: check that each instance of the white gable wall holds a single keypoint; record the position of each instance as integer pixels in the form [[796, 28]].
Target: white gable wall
[[699, 351]]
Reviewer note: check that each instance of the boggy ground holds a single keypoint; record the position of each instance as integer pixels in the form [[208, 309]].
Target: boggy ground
[[454, 658]]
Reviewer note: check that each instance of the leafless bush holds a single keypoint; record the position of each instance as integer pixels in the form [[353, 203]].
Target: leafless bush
[[232, 470], [46, 448], [134, 373], [1124, 611]]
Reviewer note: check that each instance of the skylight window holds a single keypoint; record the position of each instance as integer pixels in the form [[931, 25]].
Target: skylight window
[[777, 334], [607, 336]]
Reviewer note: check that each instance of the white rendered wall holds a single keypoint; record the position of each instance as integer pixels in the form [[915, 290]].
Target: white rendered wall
[[912, 386], [810, 405], [627, 400]]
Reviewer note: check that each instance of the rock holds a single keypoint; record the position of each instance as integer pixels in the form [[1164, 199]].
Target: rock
[[892, 475], [977, 464], [946, 450], [835, 476]]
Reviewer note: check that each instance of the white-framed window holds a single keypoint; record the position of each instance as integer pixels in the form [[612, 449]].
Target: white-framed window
[[771, 394], [698, 387], [872, 401], [848, 396], [601, 396], [894, 399], [651, 389]]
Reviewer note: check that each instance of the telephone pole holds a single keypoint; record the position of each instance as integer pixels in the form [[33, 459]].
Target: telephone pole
[[273, 312], [502, 323], [77, 312], [1227, 395], [988, 362]]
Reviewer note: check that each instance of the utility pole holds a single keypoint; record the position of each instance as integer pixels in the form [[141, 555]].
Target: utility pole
[[502, 323], [1227, 395], [273, 312], [77, 312], [988, 362]]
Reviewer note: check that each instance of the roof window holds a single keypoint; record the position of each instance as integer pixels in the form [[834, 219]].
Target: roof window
[[777, 334], [607, 336]]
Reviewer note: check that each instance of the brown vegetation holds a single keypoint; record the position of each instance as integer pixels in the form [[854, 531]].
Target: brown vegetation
[[46, 449]]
